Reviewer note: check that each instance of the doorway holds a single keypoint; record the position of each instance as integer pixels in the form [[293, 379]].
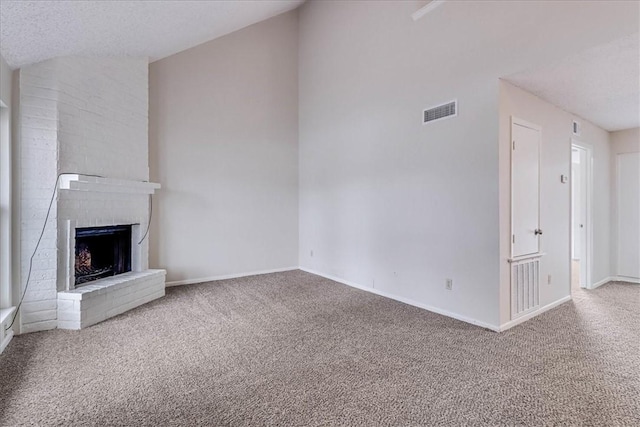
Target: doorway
[[581, 163]]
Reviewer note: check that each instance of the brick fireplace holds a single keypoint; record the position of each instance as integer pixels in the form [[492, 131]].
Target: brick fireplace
[[83, 128]]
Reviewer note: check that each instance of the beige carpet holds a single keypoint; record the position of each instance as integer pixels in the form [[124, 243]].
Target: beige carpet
[[296, 349]]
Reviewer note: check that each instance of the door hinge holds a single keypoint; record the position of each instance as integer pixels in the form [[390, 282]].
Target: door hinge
[[514, 145], [513, 238]]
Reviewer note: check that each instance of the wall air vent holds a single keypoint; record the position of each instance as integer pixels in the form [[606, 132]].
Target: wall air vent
[[450, 109], [576, 128]]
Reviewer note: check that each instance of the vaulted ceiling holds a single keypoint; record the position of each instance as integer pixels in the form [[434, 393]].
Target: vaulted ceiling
[[600, 84], [33, 31]]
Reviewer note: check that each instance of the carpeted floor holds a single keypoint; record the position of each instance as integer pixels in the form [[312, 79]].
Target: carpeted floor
[[296, 349]]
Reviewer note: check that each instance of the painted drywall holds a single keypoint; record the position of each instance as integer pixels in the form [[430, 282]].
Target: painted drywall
[[393, 205], [555, 196], [624, 141], [5, 82], [6, 75], [223, 132], [387, 203]]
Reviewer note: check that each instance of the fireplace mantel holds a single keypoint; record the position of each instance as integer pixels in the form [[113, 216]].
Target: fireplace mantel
[[77, 182]]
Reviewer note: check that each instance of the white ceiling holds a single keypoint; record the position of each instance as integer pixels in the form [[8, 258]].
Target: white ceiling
[[33, 31], [601, 84]]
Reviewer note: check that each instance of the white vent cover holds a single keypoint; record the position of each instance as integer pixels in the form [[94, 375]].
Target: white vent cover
[[525, 287], [450, 109], [576, 128]]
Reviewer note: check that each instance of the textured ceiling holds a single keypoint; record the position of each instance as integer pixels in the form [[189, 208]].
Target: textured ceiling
[[601, 84], [33, 31]]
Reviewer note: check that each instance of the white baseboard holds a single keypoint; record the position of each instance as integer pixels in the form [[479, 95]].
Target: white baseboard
[[601, 282], [634, 280], [501, 328], [606, 280], [510, 324], [405, 300], [227, 276]]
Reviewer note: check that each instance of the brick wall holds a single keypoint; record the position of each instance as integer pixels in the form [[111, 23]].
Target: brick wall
[[103, 117], [80, 115]]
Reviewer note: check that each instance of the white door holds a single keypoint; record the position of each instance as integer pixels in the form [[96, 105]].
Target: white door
[[579, 205], [575, 203], [525, 188], [628, 183]]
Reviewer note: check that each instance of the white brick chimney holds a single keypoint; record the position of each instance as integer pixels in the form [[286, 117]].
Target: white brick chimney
[[88, 117]]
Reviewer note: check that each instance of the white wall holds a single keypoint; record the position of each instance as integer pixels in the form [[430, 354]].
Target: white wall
[[386, 202], [6, 265], [624, 141], [223, 144], [5, 82], [6, 75], [555, 196]]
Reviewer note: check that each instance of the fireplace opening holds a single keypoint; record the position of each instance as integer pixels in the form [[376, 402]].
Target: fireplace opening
[[102, 252]]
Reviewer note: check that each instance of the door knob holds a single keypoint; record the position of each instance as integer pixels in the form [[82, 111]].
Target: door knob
[[537, 231]]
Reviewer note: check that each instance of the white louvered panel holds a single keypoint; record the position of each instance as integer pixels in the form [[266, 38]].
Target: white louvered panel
[[440, 112], [525, 286]]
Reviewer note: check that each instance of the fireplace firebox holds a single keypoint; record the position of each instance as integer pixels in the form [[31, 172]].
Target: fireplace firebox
[[102, 252]]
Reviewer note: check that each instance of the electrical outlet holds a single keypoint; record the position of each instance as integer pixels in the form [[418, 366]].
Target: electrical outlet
[[311, 253], [549, 279], [449, 285]]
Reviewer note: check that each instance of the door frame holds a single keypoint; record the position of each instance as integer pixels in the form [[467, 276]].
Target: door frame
[[588, 149]]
